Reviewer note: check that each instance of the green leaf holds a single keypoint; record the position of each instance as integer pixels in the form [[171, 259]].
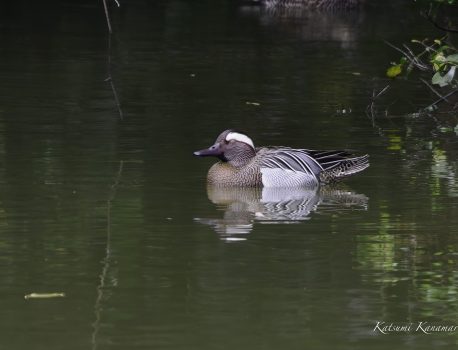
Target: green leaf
[[438, 79], [439, 58], [452, 59], [444, 129], [442, 49], [394, 71], [443, 80]]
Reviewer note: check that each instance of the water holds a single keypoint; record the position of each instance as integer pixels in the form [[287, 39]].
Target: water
[[116, 214]]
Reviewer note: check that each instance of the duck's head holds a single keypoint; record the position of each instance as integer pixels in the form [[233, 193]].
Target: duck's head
[[231, 146]]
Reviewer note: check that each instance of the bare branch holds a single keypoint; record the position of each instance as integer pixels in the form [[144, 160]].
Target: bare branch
[[107, 15], [410, 56]]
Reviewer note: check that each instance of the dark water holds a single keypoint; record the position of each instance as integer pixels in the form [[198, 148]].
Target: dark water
[[115, 213]]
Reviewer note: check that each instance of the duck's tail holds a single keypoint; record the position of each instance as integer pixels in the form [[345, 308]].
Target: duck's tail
[[340, 168]]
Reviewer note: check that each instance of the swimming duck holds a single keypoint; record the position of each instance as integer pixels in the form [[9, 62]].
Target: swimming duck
[[241, 164]]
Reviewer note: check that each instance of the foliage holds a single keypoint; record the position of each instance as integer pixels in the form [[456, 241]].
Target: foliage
[[441, 60], [438, 59], [440, 2], [450, 2]]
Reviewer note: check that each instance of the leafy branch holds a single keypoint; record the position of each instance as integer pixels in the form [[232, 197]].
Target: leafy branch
[[436, 58], [441, 59]]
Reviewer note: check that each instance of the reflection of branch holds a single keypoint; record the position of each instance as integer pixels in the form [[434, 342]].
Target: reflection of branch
[[371, 106], [438, 26], [109, 76], [430, 18], [443, 98], [106, 261], [114, 187]]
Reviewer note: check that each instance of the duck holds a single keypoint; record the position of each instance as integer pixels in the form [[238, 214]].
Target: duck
[[241, 164]]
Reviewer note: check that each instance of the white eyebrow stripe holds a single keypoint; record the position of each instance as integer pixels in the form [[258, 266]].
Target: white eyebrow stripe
[[239, 137]]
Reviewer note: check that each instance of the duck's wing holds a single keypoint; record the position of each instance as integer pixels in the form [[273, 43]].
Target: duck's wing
[[288, 167], [283, 166], [340, 163]]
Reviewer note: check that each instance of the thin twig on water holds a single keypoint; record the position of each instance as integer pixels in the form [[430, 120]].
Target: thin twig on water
[[110, 80], [107, 15], [109, 63]]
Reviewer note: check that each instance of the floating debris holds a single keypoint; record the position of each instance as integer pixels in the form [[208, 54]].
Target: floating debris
[[44, 295], [343, 111], [252, 103], [234, 239]]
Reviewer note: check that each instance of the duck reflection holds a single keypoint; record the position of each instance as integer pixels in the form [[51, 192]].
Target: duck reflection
[[244, 206]]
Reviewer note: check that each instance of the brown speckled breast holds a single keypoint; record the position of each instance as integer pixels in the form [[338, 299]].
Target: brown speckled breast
[[224, 174]]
